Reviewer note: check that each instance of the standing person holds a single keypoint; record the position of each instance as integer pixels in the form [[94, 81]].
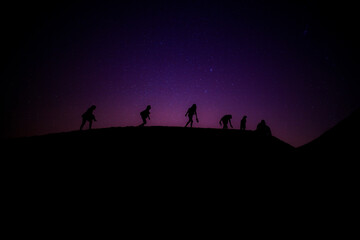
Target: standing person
[[145, 115], [225, 120], [190, 113], [243, 123], [88, 116]]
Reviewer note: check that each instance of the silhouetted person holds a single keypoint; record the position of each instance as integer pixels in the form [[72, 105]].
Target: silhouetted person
[[88, 116], [145, 115], [243, 123], [263, 129], [225, 120], [190, 113]]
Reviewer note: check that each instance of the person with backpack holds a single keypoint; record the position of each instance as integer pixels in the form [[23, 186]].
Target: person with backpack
[[263, 130]]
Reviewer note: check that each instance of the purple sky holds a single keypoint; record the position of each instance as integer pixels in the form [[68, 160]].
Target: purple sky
[[292, 64]]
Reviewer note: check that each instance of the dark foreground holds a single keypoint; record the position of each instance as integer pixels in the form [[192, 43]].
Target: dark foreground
[[149, 153], [155, 143], [152, 150], [160, 178]]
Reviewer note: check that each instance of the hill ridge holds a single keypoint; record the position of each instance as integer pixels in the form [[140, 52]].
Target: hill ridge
[[341, 139], [204, 142]]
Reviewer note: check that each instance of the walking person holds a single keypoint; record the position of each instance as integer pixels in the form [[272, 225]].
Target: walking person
[[225, 120], [190, 113], [88, 116], [145, 115]]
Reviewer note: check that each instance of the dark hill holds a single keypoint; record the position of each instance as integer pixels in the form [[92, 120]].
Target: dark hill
[[160, 156], [156, 143], [150, 152], [168, 173], [330, 162], [338, 143]]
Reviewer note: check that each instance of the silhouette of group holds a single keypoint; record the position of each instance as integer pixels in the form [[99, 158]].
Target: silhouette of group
[[261, 129]]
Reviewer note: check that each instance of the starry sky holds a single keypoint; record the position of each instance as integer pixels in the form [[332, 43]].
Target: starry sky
[[292, 63]]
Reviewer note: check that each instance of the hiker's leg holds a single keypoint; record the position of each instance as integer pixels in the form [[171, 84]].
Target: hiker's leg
[[82, 124]]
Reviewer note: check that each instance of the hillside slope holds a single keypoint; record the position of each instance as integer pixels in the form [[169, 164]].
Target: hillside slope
[[151, 151], [164, 170], [157, 143], [159, 156], [340, 142]]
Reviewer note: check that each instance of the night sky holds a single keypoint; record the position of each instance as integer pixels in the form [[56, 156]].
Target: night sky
[[292, 63]]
